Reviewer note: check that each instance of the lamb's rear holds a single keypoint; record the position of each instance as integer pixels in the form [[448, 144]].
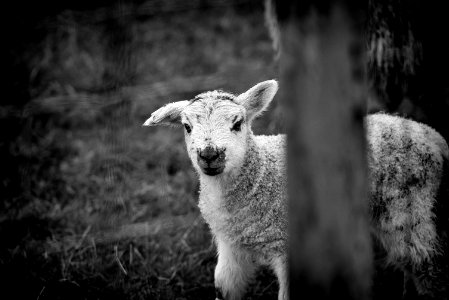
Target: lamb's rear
[[408, 163]]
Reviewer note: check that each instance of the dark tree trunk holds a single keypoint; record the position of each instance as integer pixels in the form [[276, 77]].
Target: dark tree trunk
[[323, 90]]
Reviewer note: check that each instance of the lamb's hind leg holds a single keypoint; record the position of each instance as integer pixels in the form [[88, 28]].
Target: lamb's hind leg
[[233, 271], [431, 277], [430, 280]]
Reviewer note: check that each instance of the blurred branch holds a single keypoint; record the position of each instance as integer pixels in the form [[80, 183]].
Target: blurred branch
[[140, 96], [157, 7]]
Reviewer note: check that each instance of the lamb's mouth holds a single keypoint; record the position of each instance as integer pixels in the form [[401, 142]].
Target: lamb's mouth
[[212, 171]]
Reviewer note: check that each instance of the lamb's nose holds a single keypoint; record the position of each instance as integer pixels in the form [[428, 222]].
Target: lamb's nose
[[208, 154]]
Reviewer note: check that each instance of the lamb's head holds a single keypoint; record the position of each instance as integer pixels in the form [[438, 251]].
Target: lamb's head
[[217, 125]]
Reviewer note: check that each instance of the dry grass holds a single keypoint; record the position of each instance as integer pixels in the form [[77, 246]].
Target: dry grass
[[95, 206]]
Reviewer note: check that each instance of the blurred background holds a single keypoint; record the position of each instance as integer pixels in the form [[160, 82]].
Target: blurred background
[[95, 206]]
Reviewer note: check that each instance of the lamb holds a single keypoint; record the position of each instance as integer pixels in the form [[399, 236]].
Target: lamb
[[243, 188], [242, 182]]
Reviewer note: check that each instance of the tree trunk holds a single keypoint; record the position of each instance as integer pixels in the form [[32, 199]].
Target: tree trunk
[[323, 91]]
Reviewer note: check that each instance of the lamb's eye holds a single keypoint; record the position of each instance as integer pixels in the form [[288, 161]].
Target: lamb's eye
[[237, 125], [187, 127]]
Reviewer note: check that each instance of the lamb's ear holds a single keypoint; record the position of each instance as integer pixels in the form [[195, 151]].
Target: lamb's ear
[[169, 114], [257, 98]]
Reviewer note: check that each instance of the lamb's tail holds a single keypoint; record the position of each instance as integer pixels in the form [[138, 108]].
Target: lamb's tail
[[442, 144], [442, 204], [441, 210], [445, 180]]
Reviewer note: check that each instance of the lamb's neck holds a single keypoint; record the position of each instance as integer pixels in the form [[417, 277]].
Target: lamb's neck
[[246, 177]]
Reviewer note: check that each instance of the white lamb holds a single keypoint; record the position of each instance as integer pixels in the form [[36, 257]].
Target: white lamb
[[243, 186]]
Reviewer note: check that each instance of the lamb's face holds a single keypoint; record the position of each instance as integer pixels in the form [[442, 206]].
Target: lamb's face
[[217, 125], [215, 132]]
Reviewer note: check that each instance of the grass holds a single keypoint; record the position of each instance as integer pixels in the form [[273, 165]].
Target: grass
[[95, 206]]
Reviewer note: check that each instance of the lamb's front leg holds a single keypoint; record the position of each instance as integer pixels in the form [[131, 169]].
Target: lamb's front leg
[[233, 271], [279, 265]]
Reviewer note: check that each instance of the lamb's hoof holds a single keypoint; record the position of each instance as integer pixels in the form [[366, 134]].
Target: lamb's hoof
[[218, 294]]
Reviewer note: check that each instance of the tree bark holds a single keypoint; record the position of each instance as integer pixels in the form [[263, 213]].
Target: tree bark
[[323, 91]]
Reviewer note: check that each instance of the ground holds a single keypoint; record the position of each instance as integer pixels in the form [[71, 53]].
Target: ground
[[95, 206]]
